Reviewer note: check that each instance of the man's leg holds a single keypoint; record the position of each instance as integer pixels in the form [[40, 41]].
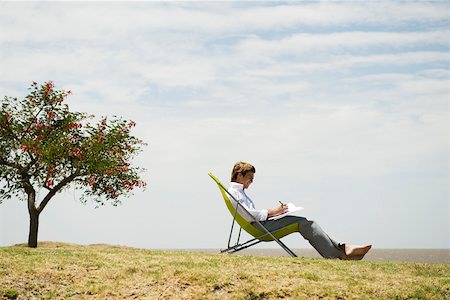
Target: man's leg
[[326, 246], [312, 232]]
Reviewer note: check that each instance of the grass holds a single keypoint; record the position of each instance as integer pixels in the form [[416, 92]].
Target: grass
[[65, 271]]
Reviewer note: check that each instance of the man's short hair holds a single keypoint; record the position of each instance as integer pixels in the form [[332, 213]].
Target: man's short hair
[[241, 168]]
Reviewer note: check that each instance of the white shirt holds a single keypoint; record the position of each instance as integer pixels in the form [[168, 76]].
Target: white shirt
[[237, 190]]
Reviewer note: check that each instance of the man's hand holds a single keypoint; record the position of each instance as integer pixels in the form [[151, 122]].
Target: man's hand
[[278, 211]]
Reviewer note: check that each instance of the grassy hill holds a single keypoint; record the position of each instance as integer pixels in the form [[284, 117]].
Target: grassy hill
[[64, 271]]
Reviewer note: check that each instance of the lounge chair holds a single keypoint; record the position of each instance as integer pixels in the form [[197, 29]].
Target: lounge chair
[[247, 222]]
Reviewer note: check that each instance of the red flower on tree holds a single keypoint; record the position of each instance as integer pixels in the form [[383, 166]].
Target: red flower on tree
[[50, 115]]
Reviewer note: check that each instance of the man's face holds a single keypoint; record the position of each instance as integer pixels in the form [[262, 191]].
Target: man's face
[[247, 179]]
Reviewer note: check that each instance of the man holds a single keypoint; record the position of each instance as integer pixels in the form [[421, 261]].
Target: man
[[242, 177]]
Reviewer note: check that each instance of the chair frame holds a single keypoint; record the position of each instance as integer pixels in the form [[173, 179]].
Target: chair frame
[[256, 240]]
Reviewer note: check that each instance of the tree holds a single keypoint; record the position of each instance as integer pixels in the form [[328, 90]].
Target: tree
[[44, 146]]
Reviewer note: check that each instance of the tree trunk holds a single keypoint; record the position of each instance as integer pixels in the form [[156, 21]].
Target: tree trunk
[[34, 226], [34, 218]]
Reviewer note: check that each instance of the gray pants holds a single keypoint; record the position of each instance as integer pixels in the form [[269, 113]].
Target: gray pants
[[312, 232]]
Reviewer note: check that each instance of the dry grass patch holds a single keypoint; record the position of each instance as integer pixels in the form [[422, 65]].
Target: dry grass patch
[[65, 271]]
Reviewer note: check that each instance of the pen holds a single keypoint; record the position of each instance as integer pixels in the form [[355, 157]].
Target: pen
[[282, 204]]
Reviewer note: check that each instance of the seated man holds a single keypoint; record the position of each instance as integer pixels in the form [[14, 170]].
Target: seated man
[[241, 178]]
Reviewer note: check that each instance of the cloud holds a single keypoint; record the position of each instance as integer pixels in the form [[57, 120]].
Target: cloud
[[74, 41], [90, 21], [348, 42]]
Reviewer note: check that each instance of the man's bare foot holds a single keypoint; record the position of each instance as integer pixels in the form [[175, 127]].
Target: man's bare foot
[[355, 257], [355, 252]]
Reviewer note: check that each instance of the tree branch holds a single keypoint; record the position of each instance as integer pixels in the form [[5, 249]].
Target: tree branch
[[12, 165], [53, 191], [32, 162], [29, 127]]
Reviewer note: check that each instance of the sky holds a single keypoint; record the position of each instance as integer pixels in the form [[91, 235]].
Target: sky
[[342, 107]]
